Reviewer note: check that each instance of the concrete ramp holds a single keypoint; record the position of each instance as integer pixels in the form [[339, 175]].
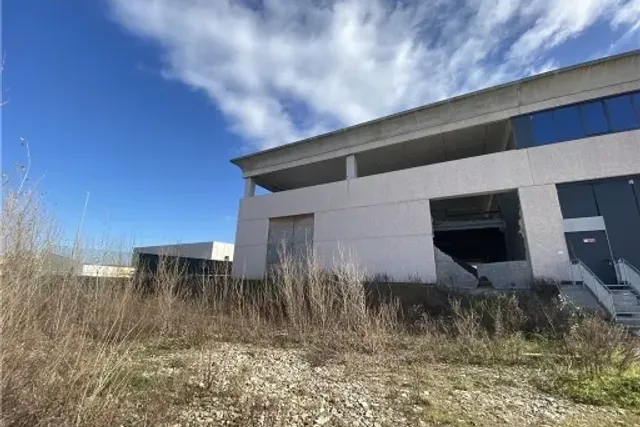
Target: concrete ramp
[[452, 274], [581, 296]]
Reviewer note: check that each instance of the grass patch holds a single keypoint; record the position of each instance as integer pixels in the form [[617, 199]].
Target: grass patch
[[608, 388]]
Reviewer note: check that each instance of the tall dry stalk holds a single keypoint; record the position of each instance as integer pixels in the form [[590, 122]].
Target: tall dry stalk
[[53, 372]]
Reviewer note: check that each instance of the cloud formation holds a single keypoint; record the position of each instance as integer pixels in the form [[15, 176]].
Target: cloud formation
[[283, 70]]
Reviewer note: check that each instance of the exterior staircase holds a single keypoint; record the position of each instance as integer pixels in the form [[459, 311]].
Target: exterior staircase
[[626, 294], [621, 301]]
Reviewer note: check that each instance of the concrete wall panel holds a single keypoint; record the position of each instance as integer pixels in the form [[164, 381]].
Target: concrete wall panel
[[250, 261], [544, 230], [492, 172], [295, 202], [252, 232], [603, 156], [598, 75], [398, 219], [581, 96], [401, 257]]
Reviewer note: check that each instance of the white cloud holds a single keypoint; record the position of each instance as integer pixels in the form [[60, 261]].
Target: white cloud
[[282, 70]]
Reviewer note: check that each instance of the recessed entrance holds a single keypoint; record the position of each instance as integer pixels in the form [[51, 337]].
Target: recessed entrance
[[479, 229]]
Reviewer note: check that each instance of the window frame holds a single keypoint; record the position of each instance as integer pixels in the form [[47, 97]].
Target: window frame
[[541, 115], [621, 96], [635, 102], [556, 124], [527, 135], [584, 119]]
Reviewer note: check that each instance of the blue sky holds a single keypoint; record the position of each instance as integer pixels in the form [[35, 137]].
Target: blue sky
[[142, 103]]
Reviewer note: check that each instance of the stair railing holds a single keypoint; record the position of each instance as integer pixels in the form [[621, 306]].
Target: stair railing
[[595, 285], [628, 274]]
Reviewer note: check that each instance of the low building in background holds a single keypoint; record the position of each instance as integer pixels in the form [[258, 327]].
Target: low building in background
[[202, 259], [113, 271]]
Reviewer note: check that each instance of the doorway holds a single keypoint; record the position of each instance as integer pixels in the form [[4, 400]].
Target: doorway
[[592, 248]]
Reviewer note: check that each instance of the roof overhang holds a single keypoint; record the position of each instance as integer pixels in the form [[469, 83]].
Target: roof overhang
[[601, 77]]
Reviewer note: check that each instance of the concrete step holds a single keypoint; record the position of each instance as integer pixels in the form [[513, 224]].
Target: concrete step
[[627, 316], [630, 322], [619, 288], [626, 301], [623, 294], [622, 308]]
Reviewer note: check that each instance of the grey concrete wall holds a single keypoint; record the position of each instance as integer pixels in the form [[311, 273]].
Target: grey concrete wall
[[368, 205], [603, 78], [250, 252], [507, 275], [250, 261], [544, 228], [395, 239], [403, 258]]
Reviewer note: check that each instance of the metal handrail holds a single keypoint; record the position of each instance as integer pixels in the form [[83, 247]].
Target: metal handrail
[[599, 290], [628, 273]]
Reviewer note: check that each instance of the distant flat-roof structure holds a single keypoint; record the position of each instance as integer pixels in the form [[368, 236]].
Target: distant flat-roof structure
[[217, 251], [194, 259]]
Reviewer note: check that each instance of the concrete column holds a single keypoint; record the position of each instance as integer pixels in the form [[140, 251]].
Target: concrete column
[[352, 167], [249, 187], [544, 232]]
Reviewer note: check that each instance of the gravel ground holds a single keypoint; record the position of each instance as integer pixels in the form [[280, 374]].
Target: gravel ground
[[246, 385]]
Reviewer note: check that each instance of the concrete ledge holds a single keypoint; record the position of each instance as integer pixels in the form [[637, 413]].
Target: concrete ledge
[[617, 74]]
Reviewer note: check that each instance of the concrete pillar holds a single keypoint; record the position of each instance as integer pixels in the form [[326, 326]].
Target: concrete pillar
[[544, 232], [249, 187], [352, 167]]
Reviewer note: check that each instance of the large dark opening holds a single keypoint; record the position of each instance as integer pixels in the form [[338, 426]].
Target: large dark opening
[[479, 229], [474, 246]]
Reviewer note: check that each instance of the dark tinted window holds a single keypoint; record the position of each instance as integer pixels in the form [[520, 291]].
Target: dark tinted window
[[577, 200], [614, 114], [636, 102], [622, 115], [522, 131], [542, 127], [594, 119], [567, 123]]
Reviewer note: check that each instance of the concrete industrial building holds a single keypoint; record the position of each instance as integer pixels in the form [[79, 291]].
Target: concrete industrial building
[[539, 178]]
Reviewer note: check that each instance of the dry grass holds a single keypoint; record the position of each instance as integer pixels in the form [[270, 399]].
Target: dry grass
[[67, 344]]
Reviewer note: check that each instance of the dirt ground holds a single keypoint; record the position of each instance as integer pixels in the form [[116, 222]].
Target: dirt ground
[[224, 384]]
